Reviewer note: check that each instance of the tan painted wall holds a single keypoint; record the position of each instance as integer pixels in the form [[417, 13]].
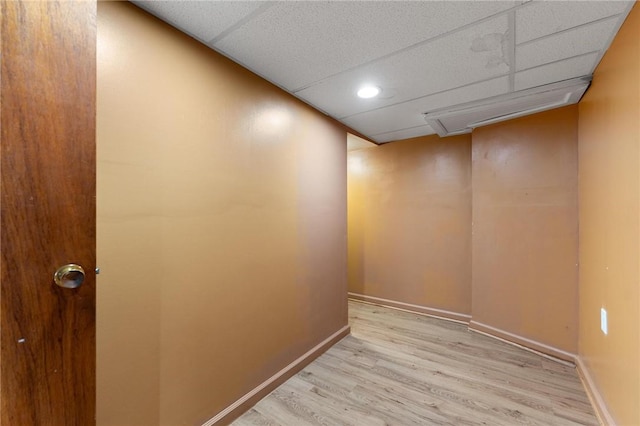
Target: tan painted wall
[[221, 226], [410, 222], [525, 227], [609, 139]]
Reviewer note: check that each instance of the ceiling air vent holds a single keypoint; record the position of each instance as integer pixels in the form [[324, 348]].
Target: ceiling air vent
[[464, 118]]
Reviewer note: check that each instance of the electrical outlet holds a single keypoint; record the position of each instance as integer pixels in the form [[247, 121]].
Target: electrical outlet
[[603, 321]]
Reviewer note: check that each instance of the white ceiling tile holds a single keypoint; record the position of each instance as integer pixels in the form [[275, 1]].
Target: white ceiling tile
[[294, 44], [443, 64], [541, 18], [584, 39], [410, 114], [556, 71], [202, 19], [404, 134], [426, 55]]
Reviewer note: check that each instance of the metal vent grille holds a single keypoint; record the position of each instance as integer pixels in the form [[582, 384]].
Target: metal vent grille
[[465, 117]]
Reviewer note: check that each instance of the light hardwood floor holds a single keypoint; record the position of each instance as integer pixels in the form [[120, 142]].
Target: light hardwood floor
[[399, 368]]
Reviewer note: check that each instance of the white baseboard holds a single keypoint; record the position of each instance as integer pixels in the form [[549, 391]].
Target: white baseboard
[[236, 409], [531, 345], [416, 309], [597, 402]]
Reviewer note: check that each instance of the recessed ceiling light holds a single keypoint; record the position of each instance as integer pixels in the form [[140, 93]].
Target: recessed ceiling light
[[367, 92]]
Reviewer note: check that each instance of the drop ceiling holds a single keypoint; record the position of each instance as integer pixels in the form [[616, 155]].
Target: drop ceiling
[[425, 55]]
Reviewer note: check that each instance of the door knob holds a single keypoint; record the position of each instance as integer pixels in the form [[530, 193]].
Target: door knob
[[69, 276]]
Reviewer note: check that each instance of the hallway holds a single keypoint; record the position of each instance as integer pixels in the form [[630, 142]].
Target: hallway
[[398, 368]]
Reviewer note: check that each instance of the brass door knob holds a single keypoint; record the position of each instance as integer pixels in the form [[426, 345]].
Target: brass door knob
[[69, 276]]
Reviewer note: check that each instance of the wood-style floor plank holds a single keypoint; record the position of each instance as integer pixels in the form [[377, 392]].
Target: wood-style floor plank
[[398, 368]]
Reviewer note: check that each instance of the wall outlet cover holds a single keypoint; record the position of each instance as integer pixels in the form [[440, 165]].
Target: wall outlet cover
[[603, 321]]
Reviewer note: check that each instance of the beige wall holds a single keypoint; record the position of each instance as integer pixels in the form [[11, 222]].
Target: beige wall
[[410, 222], [609, 138], [221, 226], [411, 219], [525, 227]]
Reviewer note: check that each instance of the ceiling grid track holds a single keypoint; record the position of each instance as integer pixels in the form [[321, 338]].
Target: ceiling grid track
[[512, 50], [259, 11], [569, 29], [426, 96]]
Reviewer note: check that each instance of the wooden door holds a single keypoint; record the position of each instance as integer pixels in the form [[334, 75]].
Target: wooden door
[[47, 207]]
